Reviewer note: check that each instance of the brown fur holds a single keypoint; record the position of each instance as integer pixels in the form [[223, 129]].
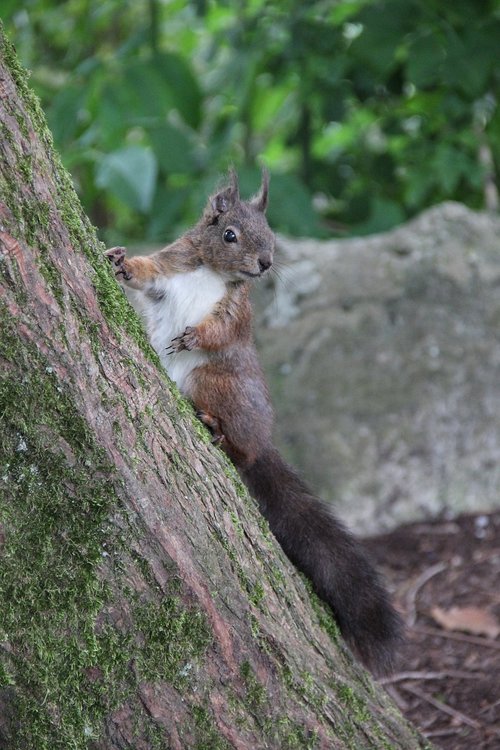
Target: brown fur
[[231, 397]]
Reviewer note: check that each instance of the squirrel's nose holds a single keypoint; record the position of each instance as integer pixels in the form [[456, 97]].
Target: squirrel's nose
[[264, 264]]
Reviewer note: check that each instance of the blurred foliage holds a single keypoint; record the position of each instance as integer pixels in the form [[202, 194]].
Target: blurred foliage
[[364, 111]]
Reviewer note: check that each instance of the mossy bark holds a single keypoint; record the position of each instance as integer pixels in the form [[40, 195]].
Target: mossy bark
[[143, 601]]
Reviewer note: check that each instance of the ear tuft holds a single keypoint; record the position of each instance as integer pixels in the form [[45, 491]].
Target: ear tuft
[[261, 199], [233, 183], [222, 202]]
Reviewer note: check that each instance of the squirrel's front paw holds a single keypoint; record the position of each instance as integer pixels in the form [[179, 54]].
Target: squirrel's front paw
[[116, 256], [187, 341]]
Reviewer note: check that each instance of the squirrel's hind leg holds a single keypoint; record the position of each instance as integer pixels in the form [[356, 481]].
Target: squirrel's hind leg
[[223, 403], [219, 438], [214, 425]]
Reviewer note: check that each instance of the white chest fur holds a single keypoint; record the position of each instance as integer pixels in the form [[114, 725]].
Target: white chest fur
[[169, 306]]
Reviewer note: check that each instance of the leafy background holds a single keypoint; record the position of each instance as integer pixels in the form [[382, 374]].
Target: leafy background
[[365, 112]]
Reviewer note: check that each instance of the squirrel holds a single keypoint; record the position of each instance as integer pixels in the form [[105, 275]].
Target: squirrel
[[194, 298]]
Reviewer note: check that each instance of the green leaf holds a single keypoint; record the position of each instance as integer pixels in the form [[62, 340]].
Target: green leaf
[[173, 149], [472, 57], [111, 106], [384, 28], [290, 207], [185, 92], [384, 214], [449, 164], [166, 213], [342, 11], [271, 106], [144, 93], [150, 94], [419, 183], [425, 57], [8, 8], [64, 113], [130, 175]]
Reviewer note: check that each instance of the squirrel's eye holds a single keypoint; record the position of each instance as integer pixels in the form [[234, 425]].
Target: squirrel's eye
[[229, 236]]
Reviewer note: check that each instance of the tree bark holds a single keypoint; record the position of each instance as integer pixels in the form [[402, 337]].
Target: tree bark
[[144, 603]]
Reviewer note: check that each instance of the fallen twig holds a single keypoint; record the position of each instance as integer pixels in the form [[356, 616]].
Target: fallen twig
[[397, 698], [443, 707], [489, 707], [440, 733], [411, 595], [402, 676], [477, 640]]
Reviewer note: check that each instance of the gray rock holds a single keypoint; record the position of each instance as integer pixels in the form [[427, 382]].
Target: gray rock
[[383, 356]]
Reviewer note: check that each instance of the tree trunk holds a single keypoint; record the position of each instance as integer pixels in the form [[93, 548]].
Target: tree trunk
[[144, 603]]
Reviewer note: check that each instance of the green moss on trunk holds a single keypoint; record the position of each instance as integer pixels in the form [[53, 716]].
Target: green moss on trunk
[[57, 493], [69, 665]]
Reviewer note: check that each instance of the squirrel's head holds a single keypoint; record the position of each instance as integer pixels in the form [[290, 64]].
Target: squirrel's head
[[235, 235]]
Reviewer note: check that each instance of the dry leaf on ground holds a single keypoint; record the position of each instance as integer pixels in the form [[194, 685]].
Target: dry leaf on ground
[[467, 619]]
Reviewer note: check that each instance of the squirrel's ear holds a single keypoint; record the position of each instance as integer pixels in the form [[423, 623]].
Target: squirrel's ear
[[222, 202], [260, 200]]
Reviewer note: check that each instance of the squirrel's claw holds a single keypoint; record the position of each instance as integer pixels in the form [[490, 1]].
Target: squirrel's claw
[[185, 342], [116, 256], [213, 425]]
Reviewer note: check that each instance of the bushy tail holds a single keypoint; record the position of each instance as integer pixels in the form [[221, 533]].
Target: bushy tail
[[320, 546]]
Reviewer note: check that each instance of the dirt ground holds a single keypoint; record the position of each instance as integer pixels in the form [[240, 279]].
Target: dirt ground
[[445, 579]]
